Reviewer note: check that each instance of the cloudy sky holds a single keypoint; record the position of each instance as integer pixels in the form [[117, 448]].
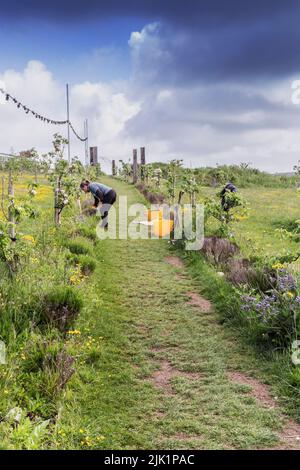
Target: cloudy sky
[[208, 81]]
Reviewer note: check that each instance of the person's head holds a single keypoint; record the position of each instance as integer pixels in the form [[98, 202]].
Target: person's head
[[85, 186]]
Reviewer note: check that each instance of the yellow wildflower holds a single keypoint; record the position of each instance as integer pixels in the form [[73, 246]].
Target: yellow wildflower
[[74, 332], [278, 266], [77, 277], [86, 442], [29, 238], [240, 217]]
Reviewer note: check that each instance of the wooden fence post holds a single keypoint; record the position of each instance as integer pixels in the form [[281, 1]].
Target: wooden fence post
[[143, 156], [143, 162], [93, 156], [113, 167], [134, 167]]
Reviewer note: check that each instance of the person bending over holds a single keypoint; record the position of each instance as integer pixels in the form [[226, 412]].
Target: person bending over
[[228, 188], [102, 194]]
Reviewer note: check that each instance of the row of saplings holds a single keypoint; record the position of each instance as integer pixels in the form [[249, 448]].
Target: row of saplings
[[50, 361], [45, 357], [63, 304], [265, 294]]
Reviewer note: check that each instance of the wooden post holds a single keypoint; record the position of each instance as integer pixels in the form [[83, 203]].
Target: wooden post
[[134, 167], [113, 167], [93, 156], [143, 156], [68, 120], [11, 217], [143, 162]]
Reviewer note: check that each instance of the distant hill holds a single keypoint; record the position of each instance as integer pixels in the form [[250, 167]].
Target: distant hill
[[287, 173], [243, 175]]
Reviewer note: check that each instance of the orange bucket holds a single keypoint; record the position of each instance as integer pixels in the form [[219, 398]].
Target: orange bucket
[[156, 214], [162, 227]]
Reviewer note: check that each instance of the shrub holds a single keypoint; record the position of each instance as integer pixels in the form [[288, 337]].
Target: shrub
[[152, 197], [58, 369], [262, 279], [275, 311], [88, 208], [19, 310], [155, 198], [61, 306], [141, 187], [218, 250], [87, 232], [46, 367], [79, 246], [239, 271], [87, 263]]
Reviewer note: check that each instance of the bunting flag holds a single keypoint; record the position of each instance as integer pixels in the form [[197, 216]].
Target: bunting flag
[[27, 110], [78, 137]]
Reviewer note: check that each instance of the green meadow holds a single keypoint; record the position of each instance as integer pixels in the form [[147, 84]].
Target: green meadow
[[269, 210]]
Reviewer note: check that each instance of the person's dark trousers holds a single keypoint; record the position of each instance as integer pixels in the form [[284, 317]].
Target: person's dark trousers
[[109, 198]]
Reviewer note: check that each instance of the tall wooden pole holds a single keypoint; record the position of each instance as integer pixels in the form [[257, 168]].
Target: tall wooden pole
[[134, 167], [113, 167], [143, 156], [143, 162], [68, 118]]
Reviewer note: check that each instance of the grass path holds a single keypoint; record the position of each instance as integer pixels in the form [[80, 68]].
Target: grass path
[[163, 374]]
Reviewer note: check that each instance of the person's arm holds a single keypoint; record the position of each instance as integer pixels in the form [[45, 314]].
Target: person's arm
[[98, 196]]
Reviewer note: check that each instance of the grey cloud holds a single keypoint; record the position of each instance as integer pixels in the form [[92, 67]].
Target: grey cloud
[[222, 39], [201, 12]]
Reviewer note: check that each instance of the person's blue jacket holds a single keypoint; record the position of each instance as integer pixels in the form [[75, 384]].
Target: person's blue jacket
[[99, 191]]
